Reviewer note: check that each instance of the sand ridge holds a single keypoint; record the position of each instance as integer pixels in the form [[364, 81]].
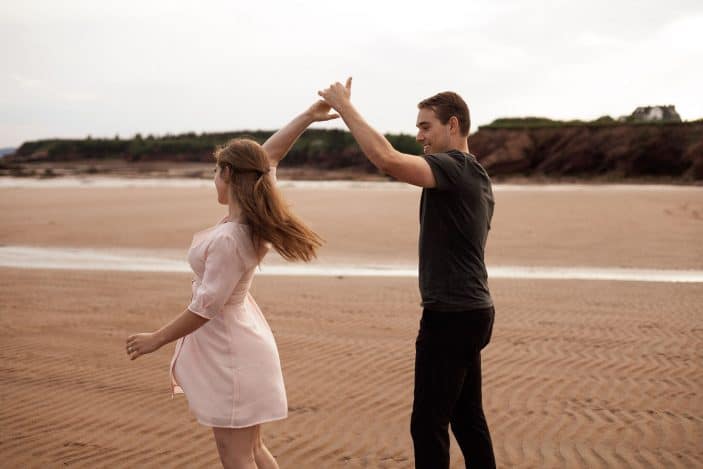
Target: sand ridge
[[578, 374]]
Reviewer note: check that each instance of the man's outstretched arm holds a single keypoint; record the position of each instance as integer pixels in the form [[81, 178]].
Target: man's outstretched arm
[[279, 144], [401, 166]]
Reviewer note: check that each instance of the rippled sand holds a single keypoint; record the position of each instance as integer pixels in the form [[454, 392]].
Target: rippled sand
[[578, 374]]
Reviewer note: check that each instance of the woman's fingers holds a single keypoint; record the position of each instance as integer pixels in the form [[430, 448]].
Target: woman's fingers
[[141, 344], [133, 352], [132, 347]]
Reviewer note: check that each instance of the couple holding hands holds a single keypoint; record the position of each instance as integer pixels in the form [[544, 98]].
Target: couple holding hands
[[226, 360]]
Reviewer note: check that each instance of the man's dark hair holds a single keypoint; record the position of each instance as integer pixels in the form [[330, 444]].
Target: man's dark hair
[[447, 104]]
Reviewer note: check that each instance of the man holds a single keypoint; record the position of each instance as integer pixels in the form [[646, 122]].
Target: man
[[457, 319]]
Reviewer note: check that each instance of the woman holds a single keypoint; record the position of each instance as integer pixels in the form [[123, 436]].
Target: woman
[[226, 361]]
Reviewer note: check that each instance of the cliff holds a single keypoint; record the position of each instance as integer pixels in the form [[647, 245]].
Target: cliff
[[531, 147], [620, 151]]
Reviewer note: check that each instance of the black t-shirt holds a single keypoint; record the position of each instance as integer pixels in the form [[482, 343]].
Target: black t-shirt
[[455, 217]]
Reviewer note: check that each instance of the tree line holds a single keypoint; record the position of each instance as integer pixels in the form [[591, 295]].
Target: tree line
[[322, 148]]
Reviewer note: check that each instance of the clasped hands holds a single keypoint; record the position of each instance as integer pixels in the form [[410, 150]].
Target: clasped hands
[[336, 96]]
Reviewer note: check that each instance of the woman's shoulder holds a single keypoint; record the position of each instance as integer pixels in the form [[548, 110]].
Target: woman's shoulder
[[222, 237], [235, 237], [236, 232]]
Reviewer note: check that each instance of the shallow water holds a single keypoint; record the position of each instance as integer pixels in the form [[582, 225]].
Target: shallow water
[[116, 182], [168, 261]]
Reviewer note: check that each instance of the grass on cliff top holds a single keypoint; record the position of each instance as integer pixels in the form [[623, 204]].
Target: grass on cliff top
[[544, 122]]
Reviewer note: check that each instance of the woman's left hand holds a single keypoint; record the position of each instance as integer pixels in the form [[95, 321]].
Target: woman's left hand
[[320, 111], [141, 344]]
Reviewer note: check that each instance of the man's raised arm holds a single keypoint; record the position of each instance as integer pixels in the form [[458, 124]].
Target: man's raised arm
[[401, 166]]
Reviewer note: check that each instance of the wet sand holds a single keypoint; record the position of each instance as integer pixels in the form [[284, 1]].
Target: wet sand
[[578, 373], [600, 227]]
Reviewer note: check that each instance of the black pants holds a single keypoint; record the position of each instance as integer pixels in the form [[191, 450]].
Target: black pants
[[448, 388]]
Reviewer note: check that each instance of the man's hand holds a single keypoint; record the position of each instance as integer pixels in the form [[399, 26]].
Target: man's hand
[[337, 95]]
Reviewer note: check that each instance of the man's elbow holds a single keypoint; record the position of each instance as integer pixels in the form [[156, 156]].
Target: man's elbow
[[386, 162]]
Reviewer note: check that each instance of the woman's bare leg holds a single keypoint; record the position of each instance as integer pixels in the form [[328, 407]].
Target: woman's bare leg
[[264, 458], [236, 446]]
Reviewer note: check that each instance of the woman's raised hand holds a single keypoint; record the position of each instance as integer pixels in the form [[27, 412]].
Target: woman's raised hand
[[320, 111]]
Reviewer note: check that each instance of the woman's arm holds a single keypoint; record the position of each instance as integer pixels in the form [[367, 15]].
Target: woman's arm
[[278, 144], [147, 342]]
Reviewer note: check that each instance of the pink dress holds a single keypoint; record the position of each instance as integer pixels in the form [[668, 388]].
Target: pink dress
[[229, 369]]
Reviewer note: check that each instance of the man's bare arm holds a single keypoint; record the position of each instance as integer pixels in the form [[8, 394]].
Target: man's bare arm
[[403, 167]]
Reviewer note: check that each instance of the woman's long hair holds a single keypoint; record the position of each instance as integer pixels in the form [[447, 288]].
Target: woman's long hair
[[245, 162]]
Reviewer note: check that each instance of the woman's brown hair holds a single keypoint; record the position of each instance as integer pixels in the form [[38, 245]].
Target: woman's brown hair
[[246, 165]]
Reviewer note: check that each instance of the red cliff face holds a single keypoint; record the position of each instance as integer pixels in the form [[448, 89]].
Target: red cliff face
[[673, 150]]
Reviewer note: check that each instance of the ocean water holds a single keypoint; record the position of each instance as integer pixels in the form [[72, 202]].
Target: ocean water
[[168, 261], [7, 182]]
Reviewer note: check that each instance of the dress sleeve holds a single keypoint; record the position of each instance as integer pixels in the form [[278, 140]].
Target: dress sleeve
[[224, 268], [447, 169]]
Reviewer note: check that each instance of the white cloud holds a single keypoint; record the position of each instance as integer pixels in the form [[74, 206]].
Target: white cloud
[[82, 67]]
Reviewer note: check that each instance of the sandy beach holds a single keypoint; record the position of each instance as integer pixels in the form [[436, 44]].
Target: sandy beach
[[578, 373]]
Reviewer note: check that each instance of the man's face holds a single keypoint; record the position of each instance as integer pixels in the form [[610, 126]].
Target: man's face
[[431, 133]]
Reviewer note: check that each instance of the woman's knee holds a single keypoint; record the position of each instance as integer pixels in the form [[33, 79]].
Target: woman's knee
[[236, 448], [243, 460], [232, 458]]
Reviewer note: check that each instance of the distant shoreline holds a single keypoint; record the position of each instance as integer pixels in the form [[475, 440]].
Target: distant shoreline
[[637, 152], [92, 169]]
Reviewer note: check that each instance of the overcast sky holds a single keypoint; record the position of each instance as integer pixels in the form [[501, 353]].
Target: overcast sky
[[73, 68]]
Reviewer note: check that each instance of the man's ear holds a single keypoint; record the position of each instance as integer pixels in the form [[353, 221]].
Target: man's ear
[[453, 124]]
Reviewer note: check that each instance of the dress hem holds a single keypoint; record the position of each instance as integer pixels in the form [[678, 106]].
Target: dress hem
[[257, 422]]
